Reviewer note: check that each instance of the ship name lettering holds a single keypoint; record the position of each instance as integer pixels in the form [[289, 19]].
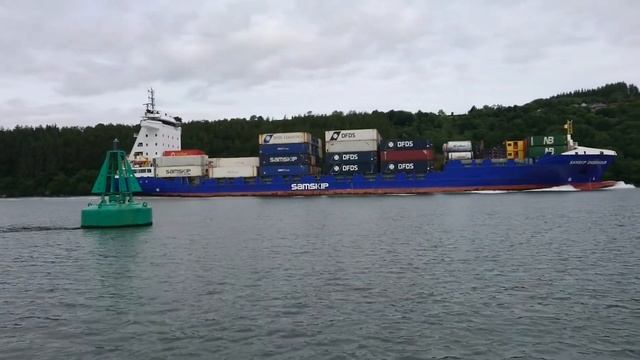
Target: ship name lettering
[[309, 186]]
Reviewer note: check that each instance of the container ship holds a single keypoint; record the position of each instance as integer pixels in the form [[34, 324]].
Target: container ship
[[358, 162]]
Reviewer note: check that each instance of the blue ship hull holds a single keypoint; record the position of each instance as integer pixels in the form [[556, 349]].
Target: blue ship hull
[[581, 171]]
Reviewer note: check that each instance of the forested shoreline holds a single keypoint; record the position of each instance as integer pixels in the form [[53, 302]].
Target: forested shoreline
[[56, 161]]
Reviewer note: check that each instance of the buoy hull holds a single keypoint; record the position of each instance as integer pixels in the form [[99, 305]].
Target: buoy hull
[[107, 215]]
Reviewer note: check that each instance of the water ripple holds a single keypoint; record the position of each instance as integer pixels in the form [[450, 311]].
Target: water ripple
[[506, 276]]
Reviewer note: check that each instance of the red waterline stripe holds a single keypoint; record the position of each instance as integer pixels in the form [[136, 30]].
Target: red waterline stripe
[[430, 190]]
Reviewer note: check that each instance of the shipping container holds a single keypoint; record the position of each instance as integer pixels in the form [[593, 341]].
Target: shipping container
[[277, 149], [462, 155], [183, 152], [294, 170], [352, 135], [351, 146], [233, 172], [179, 171], [406, 166], [516, 154], [351, 157], [413, 144], [454, 146], [288, 159], [549, 140], [234, 162], [407, 155], [370, 167], [285, 138], [187, 160], [537, 151], [516, 145]]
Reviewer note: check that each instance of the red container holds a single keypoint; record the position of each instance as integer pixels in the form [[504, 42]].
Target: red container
[[184, 152], [407, 155]]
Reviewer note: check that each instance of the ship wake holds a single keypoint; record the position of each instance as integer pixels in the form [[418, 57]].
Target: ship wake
[[620, 185], [20, 229], [561, 188]]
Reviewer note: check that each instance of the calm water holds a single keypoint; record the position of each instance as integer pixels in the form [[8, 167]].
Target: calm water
[[523, 275]]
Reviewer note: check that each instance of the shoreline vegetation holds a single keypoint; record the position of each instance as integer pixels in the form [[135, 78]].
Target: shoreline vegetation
[[64, 161]]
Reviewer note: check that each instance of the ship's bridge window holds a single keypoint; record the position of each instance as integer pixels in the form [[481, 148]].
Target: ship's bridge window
[[139, 144]]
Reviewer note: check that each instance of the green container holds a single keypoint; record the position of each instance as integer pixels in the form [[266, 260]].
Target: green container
[[547, 140], [538, 151]]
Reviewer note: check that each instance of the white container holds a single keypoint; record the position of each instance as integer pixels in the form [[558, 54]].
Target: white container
[[284, 138], [234, 162], [460, 155], [352, 135], [233, 172], [179, 171], [453, 146], [348, 146], [191, 160]]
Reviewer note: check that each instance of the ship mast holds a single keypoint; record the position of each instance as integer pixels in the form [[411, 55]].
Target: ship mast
[[151, 105], [569, 127]]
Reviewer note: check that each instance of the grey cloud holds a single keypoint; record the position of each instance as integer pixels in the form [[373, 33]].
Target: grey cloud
[[82, 49], [23, 113]]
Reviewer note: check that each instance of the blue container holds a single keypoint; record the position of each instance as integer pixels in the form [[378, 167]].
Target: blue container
[[411, 144], [392, 167], [287, 159], [285, 170], [279, 149], [370, 167], [351, 157]]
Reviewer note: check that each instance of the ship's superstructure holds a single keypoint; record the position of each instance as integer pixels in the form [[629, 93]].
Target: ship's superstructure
[[158, 133]]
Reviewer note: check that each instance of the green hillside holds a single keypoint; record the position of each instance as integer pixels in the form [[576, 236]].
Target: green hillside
[[64, 161]]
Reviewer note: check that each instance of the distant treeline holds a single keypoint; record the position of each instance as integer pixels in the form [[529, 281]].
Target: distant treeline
[[64, 161]]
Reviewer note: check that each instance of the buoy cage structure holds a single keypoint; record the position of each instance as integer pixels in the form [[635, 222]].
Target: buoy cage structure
[[116, 184]]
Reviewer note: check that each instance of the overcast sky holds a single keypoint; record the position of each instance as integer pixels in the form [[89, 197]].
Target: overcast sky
[[88, 62]]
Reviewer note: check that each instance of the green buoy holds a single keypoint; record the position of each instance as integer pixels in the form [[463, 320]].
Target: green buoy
[[116, 184]]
